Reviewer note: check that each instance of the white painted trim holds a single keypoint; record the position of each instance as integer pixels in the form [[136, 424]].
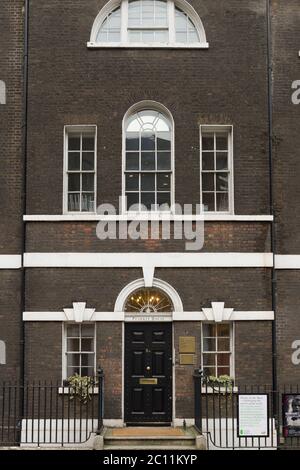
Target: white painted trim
[[176, 316], [69, 129], [135, 260], [148, 216], [10, 261], [135, 108], [287, 261], [139, 283], [137, 45], [113, 4]]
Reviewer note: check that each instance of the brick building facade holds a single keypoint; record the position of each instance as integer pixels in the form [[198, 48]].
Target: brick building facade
[[200, 94]]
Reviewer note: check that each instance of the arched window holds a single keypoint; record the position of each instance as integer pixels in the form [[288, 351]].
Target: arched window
[[142, 23], [148, 300], [148, 155]]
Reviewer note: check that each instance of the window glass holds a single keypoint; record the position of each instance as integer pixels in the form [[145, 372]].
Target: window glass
[[80, 352], [216, 349]]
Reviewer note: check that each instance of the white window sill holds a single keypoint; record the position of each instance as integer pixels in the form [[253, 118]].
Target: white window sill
[[67, 391], [210, 390], [153, 216], [137, 45]]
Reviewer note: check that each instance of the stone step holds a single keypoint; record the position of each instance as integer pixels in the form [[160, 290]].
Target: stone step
[[149, 447], [160, 441]]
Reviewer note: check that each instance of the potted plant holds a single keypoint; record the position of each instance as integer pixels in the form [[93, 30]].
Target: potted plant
[[81, 387]]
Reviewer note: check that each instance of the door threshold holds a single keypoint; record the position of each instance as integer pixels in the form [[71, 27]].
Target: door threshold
[[146, 424]]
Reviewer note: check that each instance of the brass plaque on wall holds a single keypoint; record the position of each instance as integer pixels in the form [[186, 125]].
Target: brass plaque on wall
[[187, 344], [187, 359], [150, 381]]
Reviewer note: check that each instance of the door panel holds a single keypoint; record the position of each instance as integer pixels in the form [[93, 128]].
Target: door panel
[[148, 373]]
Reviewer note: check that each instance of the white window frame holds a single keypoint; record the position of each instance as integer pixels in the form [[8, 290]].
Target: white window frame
[[151, 106], [181, 4], [69, 129], [232, 346], [206, 128], [65, 347]]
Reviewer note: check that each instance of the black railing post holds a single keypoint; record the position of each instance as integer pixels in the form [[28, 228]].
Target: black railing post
[[198, 373], [100, 376]]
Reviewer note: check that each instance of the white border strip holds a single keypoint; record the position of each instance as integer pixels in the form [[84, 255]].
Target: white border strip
[[10, 261], [153, 216], [121, 317], [159, 260], [287, 261]]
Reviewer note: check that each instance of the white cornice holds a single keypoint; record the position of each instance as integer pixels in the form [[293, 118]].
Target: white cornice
[[141, 260], [149, 217], [10, 261]]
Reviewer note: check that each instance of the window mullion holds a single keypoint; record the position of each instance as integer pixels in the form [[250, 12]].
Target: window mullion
[[171, 22], [124, 21]]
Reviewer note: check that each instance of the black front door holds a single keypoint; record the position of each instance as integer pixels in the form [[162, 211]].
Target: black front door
[[148, 373]]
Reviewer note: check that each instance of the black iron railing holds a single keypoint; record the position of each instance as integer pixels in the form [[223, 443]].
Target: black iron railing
[[47, 413], [216, 414]]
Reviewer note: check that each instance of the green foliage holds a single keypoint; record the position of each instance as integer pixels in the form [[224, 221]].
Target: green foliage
[[222, 381], [81, 387]]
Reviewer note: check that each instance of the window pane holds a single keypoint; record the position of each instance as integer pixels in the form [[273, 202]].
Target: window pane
[[163, 141], [74, 202], [132, 200], [87, 344], [132, 161], [88, 143], [74, 182], [209, 344], [209, 330], [87, 371], [161, 36], [223, 344], [73, 344], [134, 36], [148, 199], [72, 371], [132, 182], [74, 161], [222, 161], [88, 160], [208, 142], [193, 36], [224, 330], [208, 181], [73, 331], [181, 36], [74, 143], [208, 161], [164, 199], [87, 331], [223, 371], [73, 360], [132, 141], [87, 202], [148, 141], [148, 182], [114, 36], [209, 359], [222, 202], [208, 371], [163, 160], [222, 141], [163, 181], [148, 161], [208, 200], [88, 181], [222, 181], [223, 360], [87, 360]]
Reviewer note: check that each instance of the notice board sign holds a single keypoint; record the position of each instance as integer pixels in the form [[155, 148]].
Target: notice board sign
[[291, 414], [253, 415]]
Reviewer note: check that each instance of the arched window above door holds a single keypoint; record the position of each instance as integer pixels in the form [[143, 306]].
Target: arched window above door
[[148, 300], [148, 23]]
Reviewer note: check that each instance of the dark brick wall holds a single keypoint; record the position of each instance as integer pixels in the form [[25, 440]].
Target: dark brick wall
[[11, 176], [288, 324], [10, 324], [241, 289], [70, 84], [286, 19], [82, 237]]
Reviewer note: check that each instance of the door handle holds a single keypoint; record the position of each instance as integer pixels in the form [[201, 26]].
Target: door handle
[[148, 368]]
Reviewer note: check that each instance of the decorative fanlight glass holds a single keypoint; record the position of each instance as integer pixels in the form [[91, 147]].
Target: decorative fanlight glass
[[148, 300]]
